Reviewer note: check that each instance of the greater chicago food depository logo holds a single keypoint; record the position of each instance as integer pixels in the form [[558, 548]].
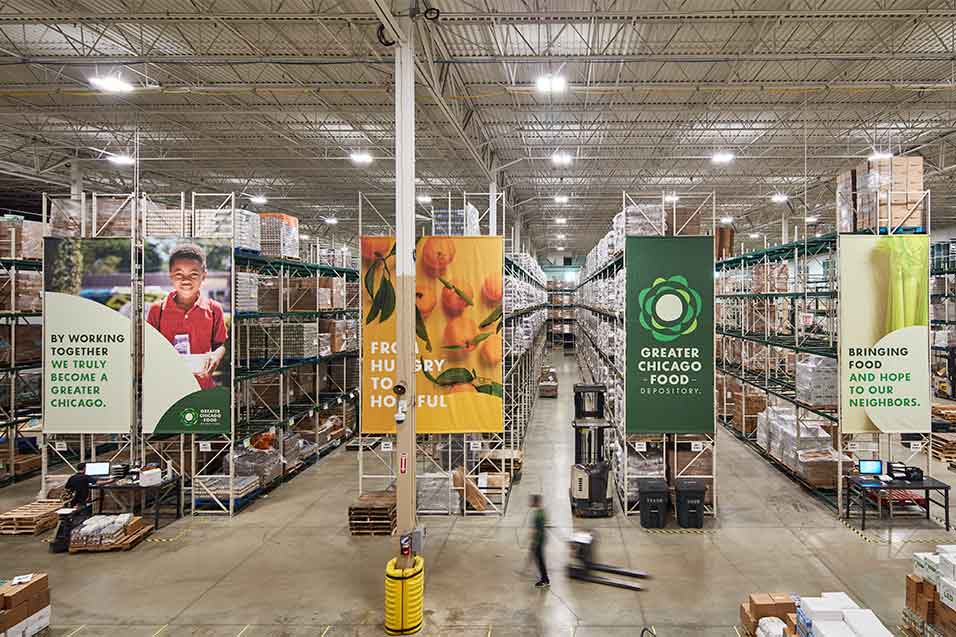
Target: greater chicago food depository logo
[[669, 308], [188, 417]]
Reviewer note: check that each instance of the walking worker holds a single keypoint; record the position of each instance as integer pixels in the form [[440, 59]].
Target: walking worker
[[538, 522]]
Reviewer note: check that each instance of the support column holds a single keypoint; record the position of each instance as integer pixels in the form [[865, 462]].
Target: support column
[[516, 242], [405, 277], [76, 179], [493, 207]]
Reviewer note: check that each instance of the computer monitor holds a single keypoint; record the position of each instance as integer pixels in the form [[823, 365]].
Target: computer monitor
[[98, 469], [871, 467]]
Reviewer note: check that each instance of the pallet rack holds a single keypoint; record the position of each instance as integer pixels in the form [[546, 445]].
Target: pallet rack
[[440, 491], [601, 313], [20, 394], [943, 317], [774, 305], [561, 332]]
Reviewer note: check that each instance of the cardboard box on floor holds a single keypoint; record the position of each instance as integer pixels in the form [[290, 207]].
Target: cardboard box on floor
[[20, 602], [760, 605]]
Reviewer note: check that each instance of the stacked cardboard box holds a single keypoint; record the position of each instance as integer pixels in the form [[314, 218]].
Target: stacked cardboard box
[[308, 295], [770, 277], [748, 401], [817, 381], [890, 192], [686, 462], [836, 615], [931, 589], [268, 294], [684, 221], [29, 343], [548, 383], [247, 292], [341, 333], [29, 292], [846, 201], [25, 606], [724, 396], [279, 235], [762, 605], [20, 239], [217, 223]]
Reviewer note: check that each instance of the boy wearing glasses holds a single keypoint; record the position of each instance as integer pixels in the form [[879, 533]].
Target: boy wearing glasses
[[191, 322]]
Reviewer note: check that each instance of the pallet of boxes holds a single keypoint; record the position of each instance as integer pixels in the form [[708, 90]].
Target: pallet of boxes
[[931, 593], [374, 513], [25, 606], [829, 615], [548, 383]]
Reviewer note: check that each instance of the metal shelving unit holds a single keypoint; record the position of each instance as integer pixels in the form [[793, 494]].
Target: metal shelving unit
[[943, 318], [20, 374], [561, 331], [776, 305]]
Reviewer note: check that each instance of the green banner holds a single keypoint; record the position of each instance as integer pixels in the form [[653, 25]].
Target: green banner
[[669, 375]]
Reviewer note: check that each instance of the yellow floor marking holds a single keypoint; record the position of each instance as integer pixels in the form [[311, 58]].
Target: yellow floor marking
[[77, 630], [324, 632], [160, 630], [245, 628]]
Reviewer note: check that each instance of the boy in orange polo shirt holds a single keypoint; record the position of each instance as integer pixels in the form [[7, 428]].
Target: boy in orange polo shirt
[[191, 322]]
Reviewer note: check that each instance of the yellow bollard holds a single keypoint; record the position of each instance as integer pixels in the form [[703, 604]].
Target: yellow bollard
[[404, 598]]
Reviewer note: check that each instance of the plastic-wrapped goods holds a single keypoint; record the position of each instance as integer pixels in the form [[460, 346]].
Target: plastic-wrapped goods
[[29, 344], [890, 192], [809, 455], [472, 228], [308, 295], [247, 292], [29, 292], [268, 294], [264, 463], [111, 216], [64, 217], [101, 529], [771, 627], [162, 220], [818, 381], [644, 220], [279, 235], [291, 448], [217, 223], [20, 239]]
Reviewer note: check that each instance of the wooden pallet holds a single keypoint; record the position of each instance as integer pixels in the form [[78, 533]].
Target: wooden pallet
[[130, 540], [373, 513], [944, 447], [30, 519]]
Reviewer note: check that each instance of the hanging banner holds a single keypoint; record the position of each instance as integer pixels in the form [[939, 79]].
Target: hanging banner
[[669, 375], [884, 333], [187, 335], [459, 322], [87, 334]]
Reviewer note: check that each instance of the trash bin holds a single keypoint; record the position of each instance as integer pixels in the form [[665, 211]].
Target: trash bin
[[690, 502], [653, 502]]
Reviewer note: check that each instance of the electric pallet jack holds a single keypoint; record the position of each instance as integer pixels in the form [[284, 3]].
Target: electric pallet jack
[[583, 567], [591, 495]]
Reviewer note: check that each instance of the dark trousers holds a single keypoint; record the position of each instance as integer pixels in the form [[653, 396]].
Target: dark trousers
[[538, 551]]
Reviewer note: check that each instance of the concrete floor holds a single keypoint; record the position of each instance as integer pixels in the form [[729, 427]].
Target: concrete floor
[[287, 565]]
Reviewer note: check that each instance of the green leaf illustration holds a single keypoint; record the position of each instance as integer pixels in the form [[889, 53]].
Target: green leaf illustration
[[426, 372], [491, 318], [454, 376], [480, 338], [370, 280], [387, 290], [457, 290], [492, 389]]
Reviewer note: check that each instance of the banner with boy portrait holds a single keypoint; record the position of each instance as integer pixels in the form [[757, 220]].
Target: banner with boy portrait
[[187, 335]]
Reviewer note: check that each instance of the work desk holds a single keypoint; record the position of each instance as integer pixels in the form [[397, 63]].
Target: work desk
[[857, 488], [135, 498]]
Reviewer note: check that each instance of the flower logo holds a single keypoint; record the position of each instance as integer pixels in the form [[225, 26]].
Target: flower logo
[[188, 417], [669, 308]]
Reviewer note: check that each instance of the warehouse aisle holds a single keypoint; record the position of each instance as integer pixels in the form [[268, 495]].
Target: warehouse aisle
[[287, 566]]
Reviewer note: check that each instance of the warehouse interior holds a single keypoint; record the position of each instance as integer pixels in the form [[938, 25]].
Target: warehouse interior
[[319, 160]]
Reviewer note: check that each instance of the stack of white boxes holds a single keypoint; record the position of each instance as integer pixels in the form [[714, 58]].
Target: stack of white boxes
[[836, 615], [279, 235], [247, 292], [817, 381]]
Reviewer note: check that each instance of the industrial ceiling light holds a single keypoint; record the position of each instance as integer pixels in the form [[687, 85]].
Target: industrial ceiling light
[[560, 248], [560, 220], [360, 157], [121, 159], [671, 198], [423, 199], [551, 84], [726, 220], [722, 158], [779, 197], [111, 84], [812, 219], [817, 235], [331, 221], [561, 237], [879, 154], [560, 199], [754, 235], [561, 159], [259, 200]]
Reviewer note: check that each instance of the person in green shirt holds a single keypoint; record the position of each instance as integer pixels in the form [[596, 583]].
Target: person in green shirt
[[538, 522]]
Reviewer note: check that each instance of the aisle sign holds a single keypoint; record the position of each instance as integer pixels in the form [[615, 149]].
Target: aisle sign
[[884, 334], [87, 335], [669, 382], [458, 327]]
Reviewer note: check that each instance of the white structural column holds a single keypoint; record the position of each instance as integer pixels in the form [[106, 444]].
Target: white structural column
[[493, 207], [405, 269], [76, 179]]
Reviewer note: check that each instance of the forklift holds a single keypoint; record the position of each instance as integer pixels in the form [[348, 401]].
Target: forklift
[[590, 493], [583, 567]]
